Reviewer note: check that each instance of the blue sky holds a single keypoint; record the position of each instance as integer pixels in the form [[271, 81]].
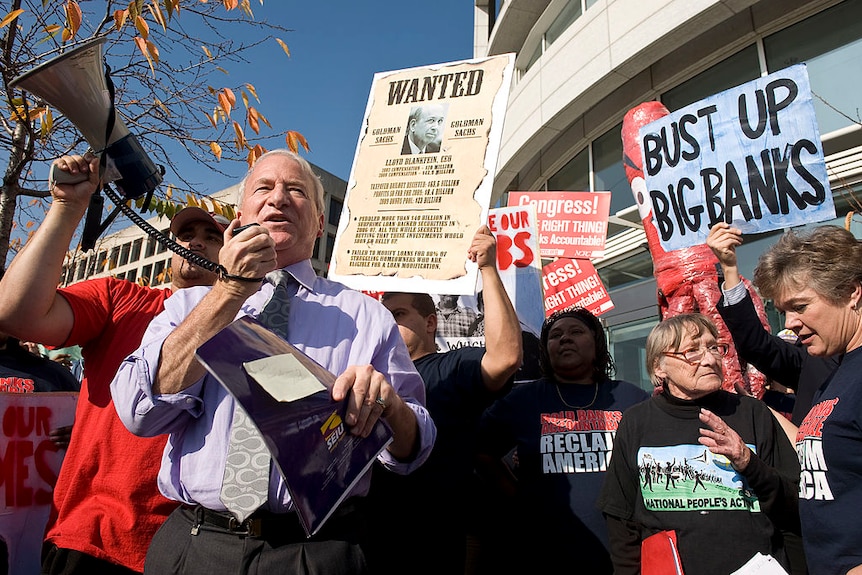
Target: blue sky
[[336, 48]]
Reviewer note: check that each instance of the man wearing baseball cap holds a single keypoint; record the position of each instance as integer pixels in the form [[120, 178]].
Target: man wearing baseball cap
[[196, 229], [107, 505]]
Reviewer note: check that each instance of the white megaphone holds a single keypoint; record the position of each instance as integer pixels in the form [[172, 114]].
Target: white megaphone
[[74, 83]]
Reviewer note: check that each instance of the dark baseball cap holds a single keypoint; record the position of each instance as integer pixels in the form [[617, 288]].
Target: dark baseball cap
[[195, 214]]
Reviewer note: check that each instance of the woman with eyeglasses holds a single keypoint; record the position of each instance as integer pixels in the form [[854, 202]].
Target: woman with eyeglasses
[[713, 468], [562, 428]]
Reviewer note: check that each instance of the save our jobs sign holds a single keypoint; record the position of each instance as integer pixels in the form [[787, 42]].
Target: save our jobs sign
[[519, 263], [30, 464], [750, 156], [422, 176], [571, 224]]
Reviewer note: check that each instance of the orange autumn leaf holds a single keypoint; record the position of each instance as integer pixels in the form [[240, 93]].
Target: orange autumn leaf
[[211, 119], [283, 46], [254, 154], [120, 19], [10, 17], [230, 4], [144, 49], [154, 51], [143, 27], [240, 136], [252, 120], [216, 150], [230, 95], [73, 18], [294, 140], [156, 11], [264, 120], [224, 103]]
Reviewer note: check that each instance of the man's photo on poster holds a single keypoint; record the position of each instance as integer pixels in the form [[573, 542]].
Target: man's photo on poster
[[424, 131]]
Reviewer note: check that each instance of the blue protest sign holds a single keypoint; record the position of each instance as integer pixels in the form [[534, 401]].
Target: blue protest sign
[[750, 156]]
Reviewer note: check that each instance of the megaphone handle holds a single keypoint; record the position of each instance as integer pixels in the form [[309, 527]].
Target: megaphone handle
[[58, 176]]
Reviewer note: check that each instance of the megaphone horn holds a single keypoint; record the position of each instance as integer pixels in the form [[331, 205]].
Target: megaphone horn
[[74, 84]]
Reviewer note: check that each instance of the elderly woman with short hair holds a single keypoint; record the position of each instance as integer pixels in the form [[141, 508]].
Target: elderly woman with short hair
[[712, 467]]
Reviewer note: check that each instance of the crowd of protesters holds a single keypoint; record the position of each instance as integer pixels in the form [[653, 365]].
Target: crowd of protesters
[[573, 472]]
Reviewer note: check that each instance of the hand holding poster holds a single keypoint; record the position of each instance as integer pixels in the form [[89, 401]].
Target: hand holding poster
[[422, 177], [571, 283], [518, 262], [750, 156], [571, 224]]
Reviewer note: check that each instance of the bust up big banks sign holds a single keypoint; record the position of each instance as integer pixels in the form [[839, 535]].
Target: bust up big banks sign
[[750, 156]]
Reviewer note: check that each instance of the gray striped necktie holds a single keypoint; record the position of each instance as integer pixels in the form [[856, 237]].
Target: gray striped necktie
[[245, 484]]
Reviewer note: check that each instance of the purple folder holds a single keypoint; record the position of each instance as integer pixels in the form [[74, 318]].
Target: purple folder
[[316, 455]]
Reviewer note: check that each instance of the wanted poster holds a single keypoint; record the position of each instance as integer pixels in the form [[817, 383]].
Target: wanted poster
[[422, 176]]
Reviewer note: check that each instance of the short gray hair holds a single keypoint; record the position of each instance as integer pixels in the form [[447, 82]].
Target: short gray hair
[[668, 334], [304, 165]]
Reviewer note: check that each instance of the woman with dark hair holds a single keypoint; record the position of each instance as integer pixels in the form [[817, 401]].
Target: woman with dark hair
[[562, 429], [694, 434]]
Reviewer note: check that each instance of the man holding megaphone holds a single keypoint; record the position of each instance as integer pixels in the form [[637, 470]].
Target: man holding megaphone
[[107, 504]]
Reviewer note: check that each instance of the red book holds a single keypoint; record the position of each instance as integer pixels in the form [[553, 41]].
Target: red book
[[660, 555]]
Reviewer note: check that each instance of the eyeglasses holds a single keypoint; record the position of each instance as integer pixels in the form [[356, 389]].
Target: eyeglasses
[[695, 356]]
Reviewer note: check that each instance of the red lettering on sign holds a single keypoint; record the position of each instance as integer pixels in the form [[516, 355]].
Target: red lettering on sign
[[504, 254], [15, 464], [21, 421]]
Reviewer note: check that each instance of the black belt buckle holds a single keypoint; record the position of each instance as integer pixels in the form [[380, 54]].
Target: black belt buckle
[[250, 527]]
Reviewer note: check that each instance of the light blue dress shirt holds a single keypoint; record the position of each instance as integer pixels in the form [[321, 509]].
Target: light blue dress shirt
[[335, 326]]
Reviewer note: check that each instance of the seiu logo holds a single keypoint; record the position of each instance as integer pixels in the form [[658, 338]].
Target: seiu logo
[[332, 430]]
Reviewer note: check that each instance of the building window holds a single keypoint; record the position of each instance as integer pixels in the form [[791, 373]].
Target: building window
[[537, 53], [330, 243], [121, 276], [132, 275], [335, 206], [637, 267], [114, 258], [136, 250], [151, 247], [609, 175], [627, 343], [564, 19], [102, 261], [82, 269], [574, 176], [158, 273], [830, 44], [91, 265], [70, 273], [124, 253], [146, 274], [738, 69], [162, 249]]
